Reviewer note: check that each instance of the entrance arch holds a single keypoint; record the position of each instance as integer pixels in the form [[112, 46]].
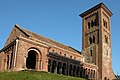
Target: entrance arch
[[31, 60]]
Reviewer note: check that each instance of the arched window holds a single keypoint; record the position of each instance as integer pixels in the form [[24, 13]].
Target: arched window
[[53, 50], [64, 55], [86, 75], [106, 39], [92, 23], [105, 78], [91, 52], [75, 58], [93, 39], [60, 52], [105, 23], [95, 22], [90, 40], [88, 25], [71, 57], [94, 75]]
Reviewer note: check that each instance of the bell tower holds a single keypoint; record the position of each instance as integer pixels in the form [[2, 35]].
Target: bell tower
[[96, 39]]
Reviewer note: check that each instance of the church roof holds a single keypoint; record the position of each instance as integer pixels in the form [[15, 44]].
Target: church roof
[[47, 40]]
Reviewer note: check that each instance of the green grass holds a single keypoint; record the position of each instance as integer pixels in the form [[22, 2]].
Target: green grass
[[34, 75]]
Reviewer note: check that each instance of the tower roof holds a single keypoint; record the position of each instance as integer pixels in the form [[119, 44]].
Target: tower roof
[[101, 5]]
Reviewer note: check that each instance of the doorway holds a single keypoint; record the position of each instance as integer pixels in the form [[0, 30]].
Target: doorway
[[31, 60]]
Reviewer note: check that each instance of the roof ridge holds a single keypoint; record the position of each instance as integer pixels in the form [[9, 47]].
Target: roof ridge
[[21, 29]]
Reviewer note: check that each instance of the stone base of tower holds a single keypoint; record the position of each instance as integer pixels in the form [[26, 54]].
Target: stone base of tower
[[109, 76]]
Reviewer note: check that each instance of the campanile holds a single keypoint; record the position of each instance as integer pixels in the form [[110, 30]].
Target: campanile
[[96, 39]]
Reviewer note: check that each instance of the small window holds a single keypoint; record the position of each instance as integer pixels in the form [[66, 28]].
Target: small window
[[90, 40], [92, 23], [93, 39], [71, 57], [60, 53], [91, 52], [105, 23], [64, 55], [53, 50], [106, 39], [95, 22], [88, 25], [75, 58]]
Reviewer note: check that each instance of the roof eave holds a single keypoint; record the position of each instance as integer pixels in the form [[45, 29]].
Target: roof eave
[[4, 48], [101, 5]]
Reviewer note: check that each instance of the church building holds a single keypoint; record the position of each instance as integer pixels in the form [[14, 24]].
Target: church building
[[26, 50]]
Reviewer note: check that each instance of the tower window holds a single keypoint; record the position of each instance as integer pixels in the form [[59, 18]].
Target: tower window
[[88, 25], [95, 22], [105, 23], [106, 39], [90, 40], [92, 23], [93, 39], [91, 52]]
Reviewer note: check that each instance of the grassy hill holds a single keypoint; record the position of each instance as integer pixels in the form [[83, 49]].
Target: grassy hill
[[34, 75]]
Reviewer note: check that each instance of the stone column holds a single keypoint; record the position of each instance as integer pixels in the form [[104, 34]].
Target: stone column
[[60, 70], [55, 70], [37, 64], [50, 67], [78, 73]]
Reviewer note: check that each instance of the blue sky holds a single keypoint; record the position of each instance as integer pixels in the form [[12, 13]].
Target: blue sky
[[58, 20]]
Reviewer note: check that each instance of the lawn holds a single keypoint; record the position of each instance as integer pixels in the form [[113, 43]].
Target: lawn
[[34, 75]]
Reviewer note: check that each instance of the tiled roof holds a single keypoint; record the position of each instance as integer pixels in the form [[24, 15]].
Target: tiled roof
[[47, 40]]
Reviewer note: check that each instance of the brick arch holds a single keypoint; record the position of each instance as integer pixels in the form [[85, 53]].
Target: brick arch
[[59, 67], [54, 66], [74, 70], [38, 57], [37, 50], [78, 71], [64, 68], [31, 60], [71, 69]]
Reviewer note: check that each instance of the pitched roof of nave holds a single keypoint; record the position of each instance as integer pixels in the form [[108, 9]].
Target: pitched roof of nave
[[47, 40]]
